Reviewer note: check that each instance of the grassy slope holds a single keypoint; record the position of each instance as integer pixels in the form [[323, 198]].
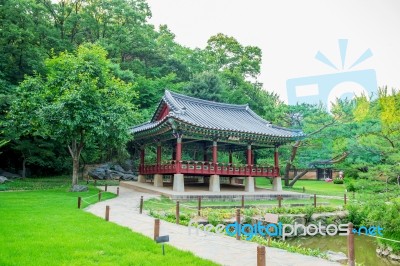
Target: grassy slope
[[46, 228]]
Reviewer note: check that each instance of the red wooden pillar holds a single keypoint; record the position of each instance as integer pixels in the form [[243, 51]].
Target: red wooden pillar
[[249, 157], [142, 154], [158, 153], [276, 160], [215, 153], [178, 154], [252, 157]]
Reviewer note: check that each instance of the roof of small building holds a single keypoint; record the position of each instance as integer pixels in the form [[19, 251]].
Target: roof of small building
[[215, 116]]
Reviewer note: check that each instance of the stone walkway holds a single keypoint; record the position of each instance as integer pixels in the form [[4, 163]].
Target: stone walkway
[[220, 249]]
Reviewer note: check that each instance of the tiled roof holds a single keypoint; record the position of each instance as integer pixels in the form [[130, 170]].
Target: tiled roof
[[216, 116]]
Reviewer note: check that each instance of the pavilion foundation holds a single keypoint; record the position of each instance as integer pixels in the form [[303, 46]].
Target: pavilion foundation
[[158, 180], [179, 183], [141, 178], [249, 184], [277, 184], [214, 185]]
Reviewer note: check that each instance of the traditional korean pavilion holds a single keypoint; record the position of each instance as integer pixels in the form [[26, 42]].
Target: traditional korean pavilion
[[202, 131]]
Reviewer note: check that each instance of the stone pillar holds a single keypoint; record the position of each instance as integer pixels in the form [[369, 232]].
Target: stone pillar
[[249, 187], [158, 180], [179, 184], [277, 184], [214, 185], [141, 179]]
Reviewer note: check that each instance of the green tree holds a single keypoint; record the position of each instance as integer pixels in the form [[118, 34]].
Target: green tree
[[226, 53], [205, 86], [79, 102]]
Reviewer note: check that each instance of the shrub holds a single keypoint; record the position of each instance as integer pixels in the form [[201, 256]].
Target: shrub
[[350, 186], [338, 181]]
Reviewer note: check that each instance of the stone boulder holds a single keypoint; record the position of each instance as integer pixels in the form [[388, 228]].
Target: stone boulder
[[394, 257], [117, 168], [3, 179], [339, 257], [98, 173], [79, 188], [127, 177], [111, 171], [9, 175]]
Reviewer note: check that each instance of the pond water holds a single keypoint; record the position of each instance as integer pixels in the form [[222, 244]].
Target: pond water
[[364, 247]]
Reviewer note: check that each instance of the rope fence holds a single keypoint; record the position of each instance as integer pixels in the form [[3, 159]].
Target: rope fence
[[239, 216]]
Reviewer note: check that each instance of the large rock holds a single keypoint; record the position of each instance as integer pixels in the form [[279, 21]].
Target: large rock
[[129, 177], [98, 173], [336, 256], [112, 174], [3, 179], [118, 168], [394, 257], [9, 175], [79, 188], [110, 171]]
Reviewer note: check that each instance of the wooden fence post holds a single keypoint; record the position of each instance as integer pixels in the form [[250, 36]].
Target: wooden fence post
[[261, 256], [350, 246], [141, 205], [105, 187], [107, 213], [279, 201], [156, 228], [345, 199], [199, 206], [95, 182], [117, 191], [304, 189], [177, 212], [238, 222], [315, 200], [79, 202], [99, 195], [242, 201]]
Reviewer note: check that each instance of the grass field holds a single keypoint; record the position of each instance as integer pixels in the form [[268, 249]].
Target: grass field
[[318, 187], [46, 228], [43, 183]]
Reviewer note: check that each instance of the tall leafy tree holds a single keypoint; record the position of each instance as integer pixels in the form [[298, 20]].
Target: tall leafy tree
[[78, 102]]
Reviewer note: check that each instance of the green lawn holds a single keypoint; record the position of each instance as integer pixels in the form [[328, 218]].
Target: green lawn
[[318, 187], [46, 228], [43, 183]]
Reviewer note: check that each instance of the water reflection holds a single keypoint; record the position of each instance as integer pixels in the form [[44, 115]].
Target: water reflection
[[364, 247]]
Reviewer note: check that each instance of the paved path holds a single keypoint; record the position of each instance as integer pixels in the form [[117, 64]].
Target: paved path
[[221, 249]]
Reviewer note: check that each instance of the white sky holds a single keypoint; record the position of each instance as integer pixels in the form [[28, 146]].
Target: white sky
[[290, 32]]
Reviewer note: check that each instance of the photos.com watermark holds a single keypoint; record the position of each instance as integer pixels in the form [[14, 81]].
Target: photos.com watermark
[[281, 230]]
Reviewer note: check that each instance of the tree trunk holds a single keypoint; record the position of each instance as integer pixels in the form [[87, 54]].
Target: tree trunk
[[75, 149], [290, 161], [75, 170], [298, 176], [24, 167]]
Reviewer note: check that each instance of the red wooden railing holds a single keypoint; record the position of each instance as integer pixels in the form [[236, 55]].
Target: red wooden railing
[[208, 168]]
